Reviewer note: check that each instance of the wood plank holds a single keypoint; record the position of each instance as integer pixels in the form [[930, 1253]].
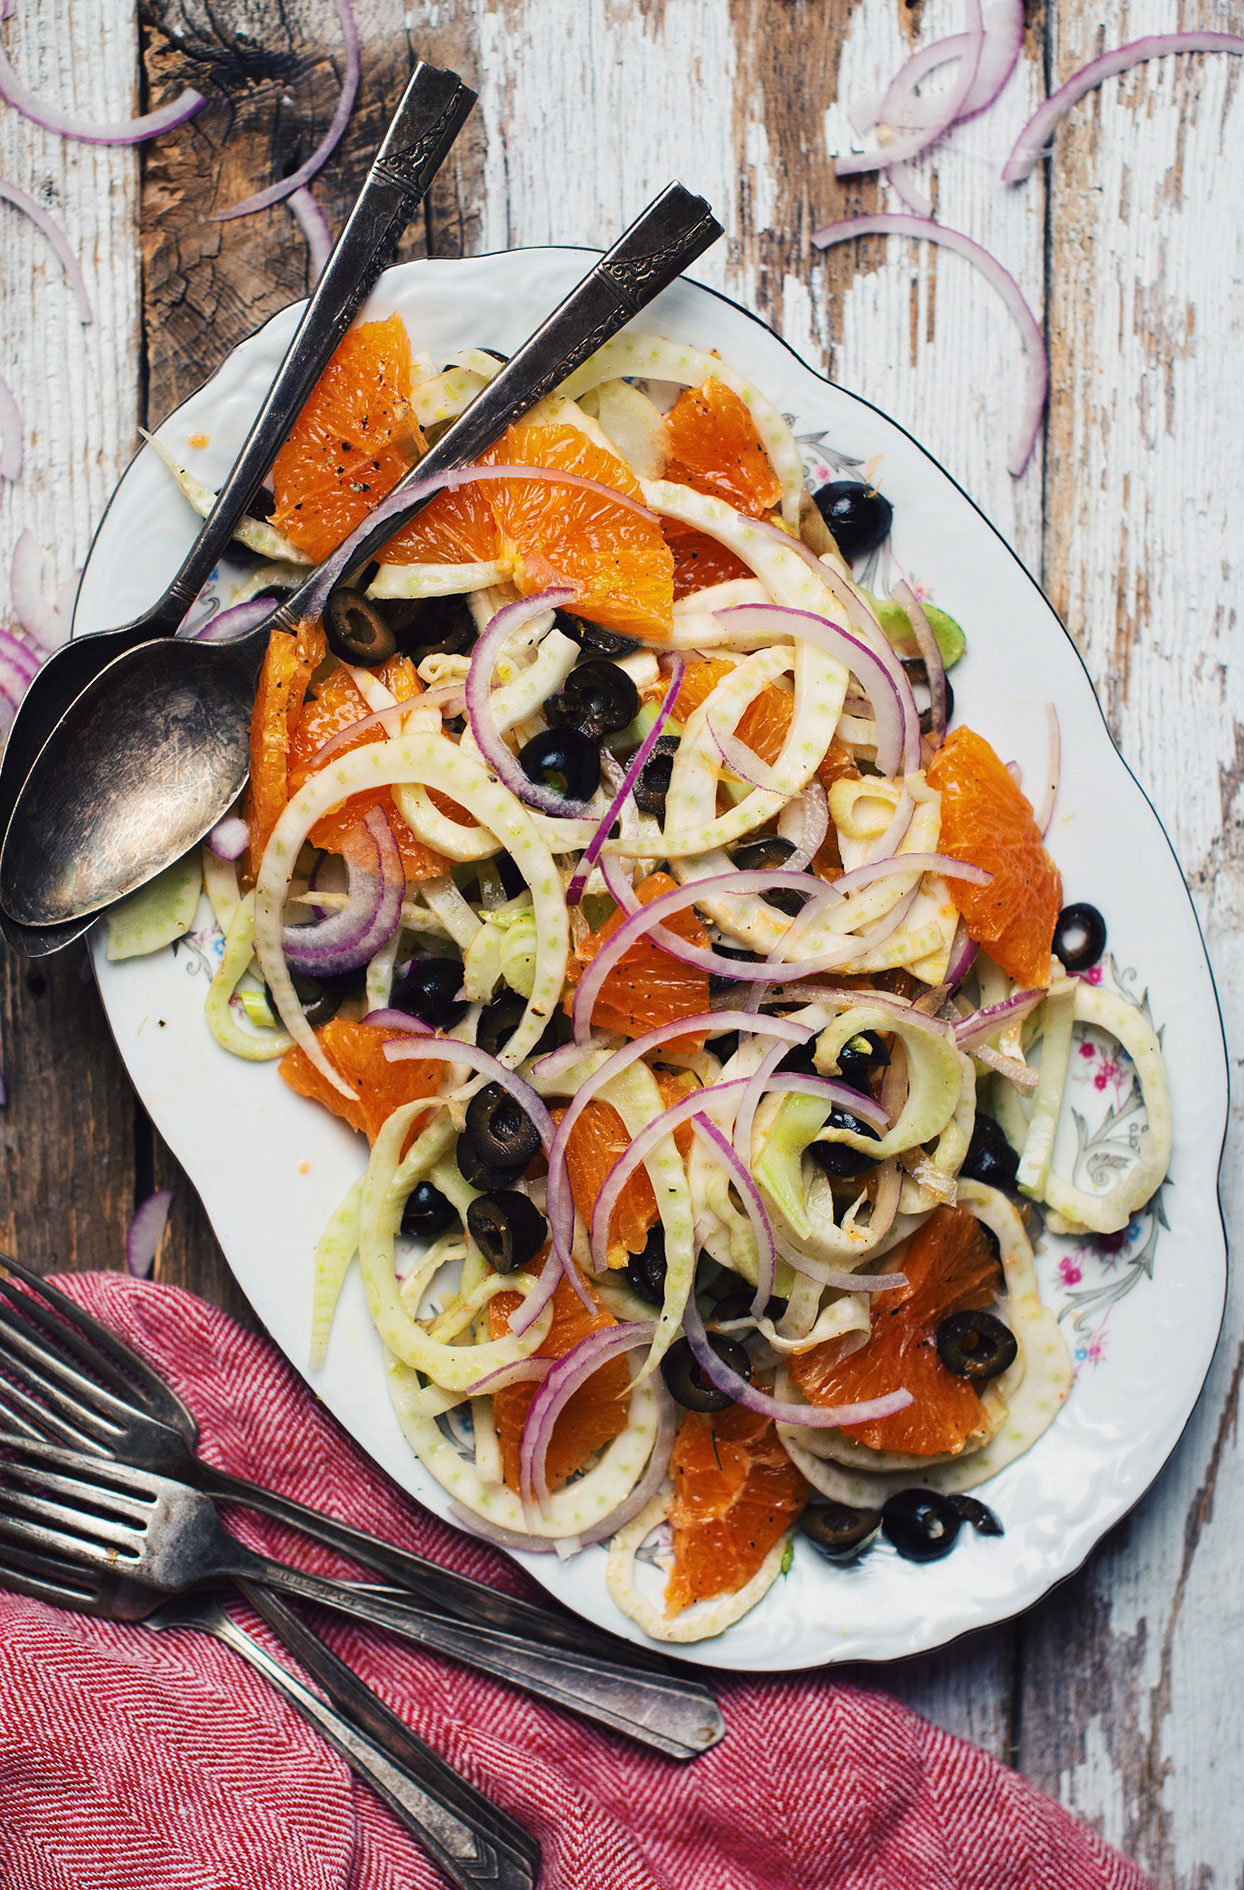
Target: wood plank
[[66, 1135], [1134, 1671]]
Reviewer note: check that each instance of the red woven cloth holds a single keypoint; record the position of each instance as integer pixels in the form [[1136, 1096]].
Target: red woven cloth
[[130, 1760]]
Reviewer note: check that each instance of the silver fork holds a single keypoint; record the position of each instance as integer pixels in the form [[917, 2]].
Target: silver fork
[[473, 1841], [152, 1529], [66, 1377]]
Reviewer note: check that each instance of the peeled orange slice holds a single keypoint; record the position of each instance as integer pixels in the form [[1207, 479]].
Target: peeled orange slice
[[735, 1492]]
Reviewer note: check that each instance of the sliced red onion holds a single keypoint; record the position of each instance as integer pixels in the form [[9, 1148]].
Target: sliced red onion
[[1010, 1067], [749, 1101], [982, 1025], [378, 718], [277, 193], [22, 200], [753, 1206], [574, 891], [697, 1103], [371, 914], [899, 224], [963, 950], [229, 838], [560, 1202], [145, 1232], [1044, 813], [894, 708], [579, 1364], [484, 656], [744, 762], [927, 645], [942, 112], [999, 55], [908, 189], [38, 617], [18, 654], [551, 1273], [806, 1416], [66, 125], [834, 1090], [10, 434], [1032, 140], [521, 1371], [314, 226], [234, 622], [805, 820], [390, 1019]]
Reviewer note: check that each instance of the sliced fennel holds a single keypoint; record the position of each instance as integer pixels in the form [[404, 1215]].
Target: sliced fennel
[[260, 1044], [251, 532], [159, 912], [704, 1618]]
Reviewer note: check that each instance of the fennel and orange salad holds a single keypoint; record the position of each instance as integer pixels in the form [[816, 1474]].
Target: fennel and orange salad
[[612, 861]]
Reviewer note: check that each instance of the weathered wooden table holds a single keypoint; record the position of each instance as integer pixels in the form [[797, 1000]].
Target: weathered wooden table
[[1123, 1693]]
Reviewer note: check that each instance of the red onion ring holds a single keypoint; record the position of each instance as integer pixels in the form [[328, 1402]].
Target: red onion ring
[[898, 224], [754, 1207], [560, 1203], [371, 914], [835, 1090], [887, 689], [390, 1019], [942, 114], [314, 226], [484, 656], [999, 55], [579, 1364], [376, 718], [927, 645], [744, 762], [963, 950], [277, 193], [234, 622], [145, 1232], [1031, 142], [20, 655], [66, 125], [1044, 813], [806, 1416], [574, 891], [22, 200], [11, 442], [838, 1279], [982, 1025], [229, 838]]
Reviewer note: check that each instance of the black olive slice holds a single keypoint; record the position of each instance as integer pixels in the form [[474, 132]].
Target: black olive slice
[[486, 1176], [508, 1229], [356, 631], [1079, 937], [427, 1212], [564, 760], [593, 638], [770, 854], [321, 998], [857, 515], [646, 1269], [428, 988], [597, 698], [688, 1385], [738, 1305], [428, 626], [839, 1160], [839, 1532], [502, 1132], [975, 1345], [990, 1157], [860, 1058], [654, 777], [981, 1517], [921, 1524]]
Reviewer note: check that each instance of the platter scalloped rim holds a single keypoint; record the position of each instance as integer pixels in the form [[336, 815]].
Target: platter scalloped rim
[[270, 1167]]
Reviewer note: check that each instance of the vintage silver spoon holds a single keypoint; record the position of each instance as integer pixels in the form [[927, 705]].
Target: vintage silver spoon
[[156, 750], [428, 118]]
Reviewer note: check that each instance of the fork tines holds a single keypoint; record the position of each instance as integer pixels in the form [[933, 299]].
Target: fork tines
[[106, 1358], [50, 1578], [99, 1515]]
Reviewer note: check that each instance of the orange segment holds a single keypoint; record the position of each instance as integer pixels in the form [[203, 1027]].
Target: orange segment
[[351, 443], [950, 1267], [356, 1051], [714, 447], [987, 821], [595, 1414], [735, 1493], [454, 528], [595, 1143], [647, 986], [699, 560], [289, 663]]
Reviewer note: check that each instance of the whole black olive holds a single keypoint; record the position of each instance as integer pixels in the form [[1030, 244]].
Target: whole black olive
[[720, 984], [857, 515], [981, 1517], [654, 777], [860, 1058], [486, 1176], [503, 1133], [738, 1305], [975, 1345], [646, 1269], [839, 1160], [1079, 936], [508, 1229], [427, 1212], [769, 854], [839, 1532], [563, 759], [687, 1384], [990, 1157], [592, 638], [429, 626], [597, 698], [321, 998], [921, 1524], [428, 989], [356, 631]]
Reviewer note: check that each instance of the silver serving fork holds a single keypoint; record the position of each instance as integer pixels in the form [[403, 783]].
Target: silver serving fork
[[64, 1376], [107, 1515], [473, 1841]]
